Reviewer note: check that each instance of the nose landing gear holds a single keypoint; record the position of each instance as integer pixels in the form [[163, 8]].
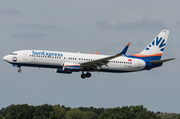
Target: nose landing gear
[[19, 70]]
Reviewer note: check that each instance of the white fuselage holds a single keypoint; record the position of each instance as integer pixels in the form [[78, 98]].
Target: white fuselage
[[67, 62], [54, 59]]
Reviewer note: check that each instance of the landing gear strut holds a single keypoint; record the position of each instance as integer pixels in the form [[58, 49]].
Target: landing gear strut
[[83, 76], [19, 70]]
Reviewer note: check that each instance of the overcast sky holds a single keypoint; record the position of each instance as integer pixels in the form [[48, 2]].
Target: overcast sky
[[89, 26]]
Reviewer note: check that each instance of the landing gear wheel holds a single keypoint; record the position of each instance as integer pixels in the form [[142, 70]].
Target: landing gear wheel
[[88, 75], [19, 70], [83, 76]]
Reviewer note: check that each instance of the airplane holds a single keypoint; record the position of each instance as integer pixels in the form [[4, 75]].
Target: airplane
[[68, 62]]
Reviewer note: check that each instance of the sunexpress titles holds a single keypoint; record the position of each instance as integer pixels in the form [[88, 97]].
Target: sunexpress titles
[[43, 53]]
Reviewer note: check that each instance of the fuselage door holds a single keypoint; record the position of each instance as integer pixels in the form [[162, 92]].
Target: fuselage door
[[25, 56], [138, 64]]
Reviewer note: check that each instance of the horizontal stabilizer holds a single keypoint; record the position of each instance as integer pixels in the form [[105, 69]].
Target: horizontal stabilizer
[[161, 61]]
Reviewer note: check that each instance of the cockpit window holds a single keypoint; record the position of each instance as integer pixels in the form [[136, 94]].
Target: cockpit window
[[13, 53]]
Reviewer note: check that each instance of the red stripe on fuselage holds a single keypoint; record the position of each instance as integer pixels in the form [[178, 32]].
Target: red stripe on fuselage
[[72, 65], [141, 55]]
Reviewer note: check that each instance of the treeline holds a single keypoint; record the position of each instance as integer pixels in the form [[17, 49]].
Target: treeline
[[46, 111]]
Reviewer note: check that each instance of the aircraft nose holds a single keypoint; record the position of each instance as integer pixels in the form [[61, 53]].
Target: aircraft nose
[[5, 58]]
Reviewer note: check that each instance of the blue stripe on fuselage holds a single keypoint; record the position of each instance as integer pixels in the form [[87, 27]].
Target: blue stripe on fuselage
[[37, 65], [147, 61]]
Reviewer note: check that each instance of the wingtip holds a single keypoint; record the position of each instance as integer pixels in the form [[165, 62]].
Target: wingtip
[[126, 48], [128, 43], [96, 53], [173, 58]]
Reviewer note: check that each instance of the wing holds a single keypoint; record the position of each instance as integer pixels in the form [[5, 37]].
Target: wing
[[103, 61]]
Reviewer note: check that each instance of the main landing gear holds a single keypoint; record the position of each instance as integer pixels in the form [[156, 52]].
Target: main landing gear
[[83, 76]]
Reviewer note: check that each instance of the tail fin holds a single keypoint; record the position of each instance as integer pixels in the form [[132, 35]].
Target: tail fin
[[155, 49]]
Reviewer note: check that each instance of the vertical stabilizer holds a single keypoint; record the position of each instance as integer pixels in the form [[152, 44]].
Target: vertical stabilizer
[[155, 49]]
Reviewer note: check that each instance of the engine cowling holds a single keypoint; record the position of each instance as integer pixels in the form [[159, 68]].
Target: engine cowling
[[71, 67], [62, 71]]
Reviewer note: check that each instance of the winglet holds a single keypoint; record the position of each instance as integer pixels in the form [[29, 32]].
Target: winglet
[[126, 48], [96, 53]]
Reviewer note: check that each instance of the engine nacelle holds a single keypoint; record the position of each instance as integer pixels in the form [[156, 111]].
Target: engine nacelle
[[62, 71], [71, 67]]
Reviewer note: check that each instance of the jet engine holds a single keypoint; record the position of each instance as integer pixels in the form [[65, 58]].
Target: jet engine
[[62, 71], [68, 68], [71, 67]]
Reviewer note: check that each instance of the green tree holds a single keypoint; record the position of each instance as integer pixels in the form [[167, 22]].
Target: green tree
[[74, 114], [167, 115], [43, 110], [89, 115], [36, 117], [21, 112], [133, 112], [97, 111], [178, 117], [51, 115], [59, 112], [5, 111], [1, 117]]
